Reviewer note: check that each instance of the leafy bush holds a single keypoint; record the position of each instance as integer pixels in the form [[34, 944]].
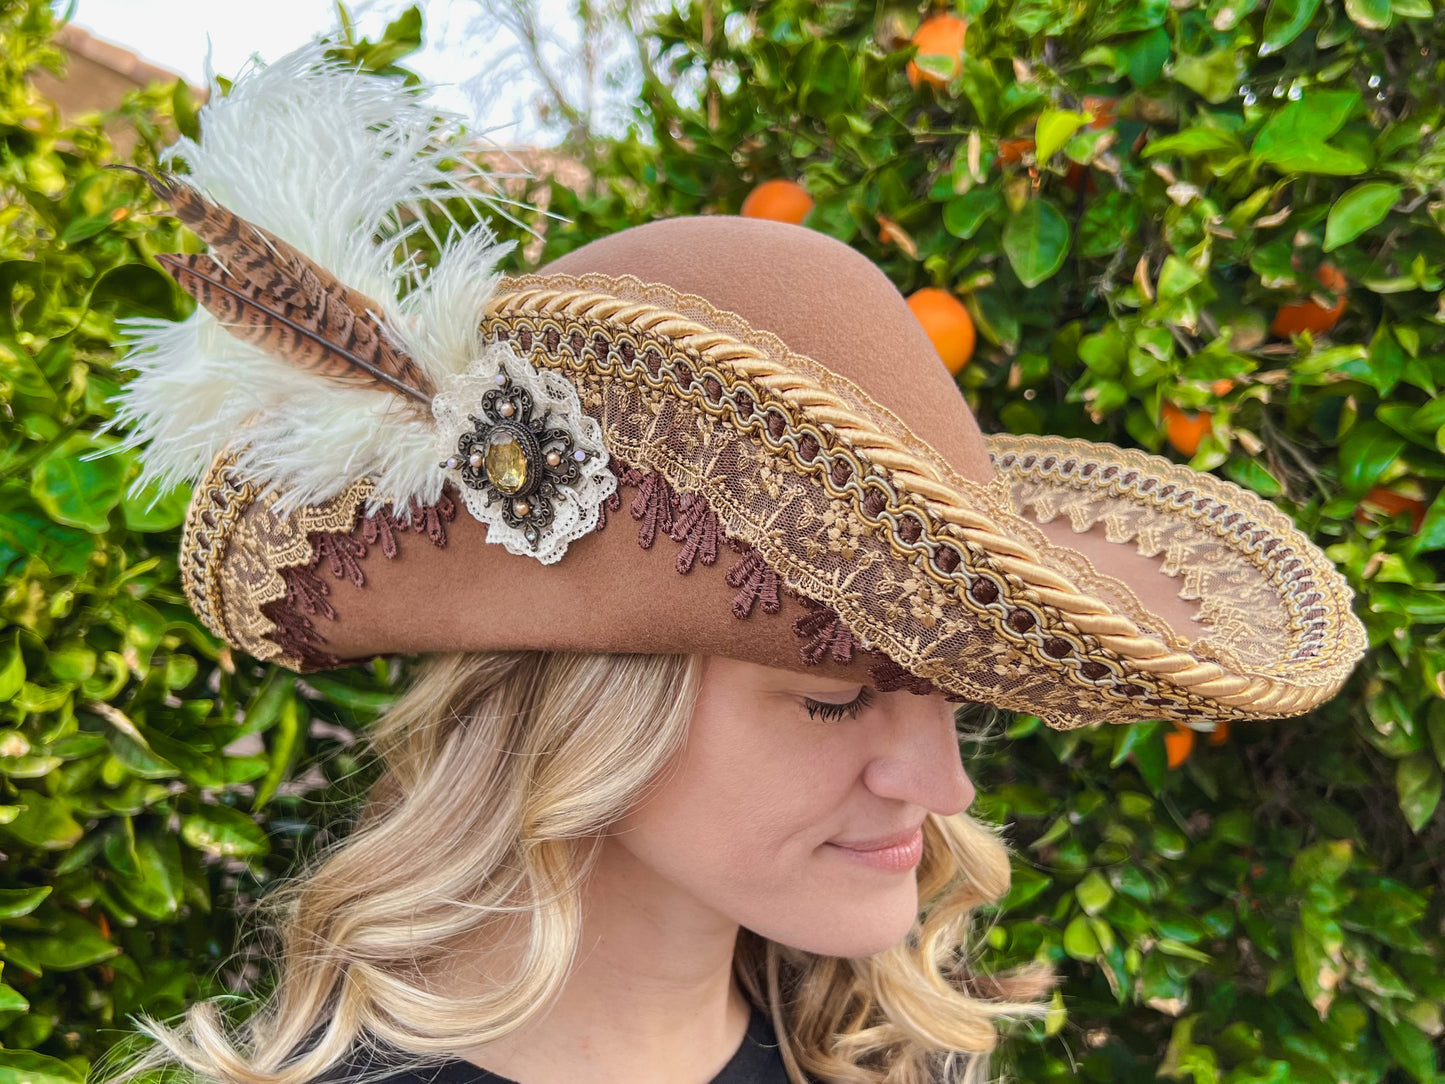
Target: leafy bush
[[1267, 911]]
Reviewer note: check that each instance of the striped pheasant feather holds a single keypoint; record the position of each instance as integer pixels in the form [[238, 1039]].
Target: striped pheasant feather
[[269, 294]]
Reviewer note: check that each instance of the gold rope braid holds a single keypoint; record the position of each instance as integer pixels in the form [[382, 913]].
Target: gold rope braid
[[211, 520], [1114, 632]]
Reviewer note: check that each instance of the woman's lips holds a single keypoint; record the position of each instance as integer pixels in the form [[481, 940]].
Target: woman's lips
[[892, 854]]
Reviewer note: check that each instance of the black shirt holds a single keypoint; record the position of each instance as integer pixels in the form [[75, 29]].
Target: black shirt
[[757, 1061]]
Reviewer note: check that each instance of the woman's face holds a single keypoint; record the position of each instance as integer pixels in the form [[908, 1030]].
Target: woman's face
[[804, 829]]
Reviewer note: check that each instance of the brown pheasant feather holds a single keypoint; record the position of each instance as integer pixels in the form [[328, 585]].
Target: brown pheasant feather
[[267, 293]]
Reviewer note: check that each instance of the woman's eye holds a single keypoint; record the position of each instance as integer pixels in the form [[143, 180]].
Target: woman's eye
[[836, 711]]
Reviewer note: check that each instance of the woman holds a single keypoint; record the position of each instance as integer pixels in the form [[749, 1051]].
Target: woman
[[633, 826], [611, 867]]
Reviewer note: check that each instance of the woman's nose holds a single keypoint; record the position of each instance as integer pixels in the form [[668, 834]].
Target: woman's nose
[[919, 761]]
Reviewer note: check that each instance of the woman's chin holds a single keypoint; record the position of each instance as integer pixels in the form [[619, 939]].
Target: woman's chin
[[852, 928]]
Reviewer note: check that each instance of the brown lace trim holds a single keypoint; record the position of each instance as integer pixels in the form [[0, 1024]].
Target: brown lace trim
[[306, 590], [687, 519], [684, 518]]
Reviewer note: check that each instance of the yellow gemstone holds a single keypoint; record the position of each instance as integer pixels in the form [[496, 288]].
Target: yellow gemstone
[[506, 462]]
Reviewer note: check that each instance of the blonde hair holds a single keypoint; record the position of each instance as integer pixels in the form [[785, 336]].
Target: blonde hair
[[500, 772]]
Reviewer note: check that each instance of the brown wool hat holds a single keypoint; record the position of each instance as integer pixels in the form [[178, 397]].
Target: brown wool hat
[[716, 435]]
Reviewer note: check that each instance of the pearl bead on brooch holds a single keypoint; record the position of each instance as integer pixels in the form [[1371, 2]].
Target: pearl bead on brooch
[[522, 508], [506, 410], [475, 460], [453, 462], [554, 459]]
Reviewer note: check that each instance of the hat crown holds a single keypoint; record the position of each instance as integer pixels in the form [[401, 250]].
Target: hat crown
[[826, 300]]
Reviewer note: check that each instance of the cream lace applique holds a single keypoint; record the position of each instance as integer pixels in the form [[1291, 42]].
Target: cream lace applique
[[528, 461]]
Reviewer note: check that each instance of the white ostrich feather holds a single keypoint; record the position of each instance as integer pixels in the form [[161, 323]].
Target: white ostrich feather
[[331, 161]]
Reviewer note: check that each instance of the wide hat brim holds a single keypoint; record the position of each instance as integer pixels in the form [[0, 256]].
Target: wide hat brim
[[790, 451]]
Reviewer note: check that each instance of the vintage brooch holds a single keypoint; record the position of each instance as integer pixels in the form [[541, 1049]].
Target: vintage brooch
[[530, 463]]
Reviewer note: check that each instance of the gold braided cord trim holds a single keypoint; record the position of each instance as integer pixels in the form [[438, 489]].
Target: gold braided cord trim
[[990, 536], [215, 508]]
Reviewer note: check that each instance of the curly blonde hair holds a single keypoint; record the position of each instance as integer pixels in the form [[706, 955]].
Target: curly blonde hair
[[500, 772]]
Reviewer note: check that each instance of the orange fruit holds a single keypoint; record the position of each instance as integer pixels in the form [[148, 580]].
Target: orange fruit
[[779, 199], [938, 35], [1178, 744], [1220, 734], [1391, 503], [1222, 387], [1309, 315], [948, 324], [1185, 431]]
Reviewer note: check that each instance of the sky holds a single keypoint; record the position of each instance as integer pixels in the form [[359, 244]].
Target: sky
[[178, 34]]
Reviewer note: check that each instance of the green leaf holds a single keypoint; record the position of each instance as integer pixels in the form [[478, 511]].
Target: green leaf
[[219, 830], [286, 737], [1053, 130], [1176, 278], [1094, 892], [148, 511], [1294, 139], [1432, 531], [11, 1001], [1128, 739], [156, 890], [963, 215], [1359, 209], [1418, 784], [1172, 947], [1080, 941], [76, 491], [1193, 143], [1371, 14], [44, 822], [1146, 55], [1108, 223], [1368, 450], [28, 1067], [12, 668], [1410, 1048], [1252, 474], [1322, 863], [1284, 21], [68, 943], [1213, 77], [15, 902], [1036, 240]]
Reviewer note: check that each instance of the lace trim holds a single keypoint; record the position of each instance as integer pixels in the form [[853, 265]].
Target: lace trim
[[559, 512], [1260, 579]]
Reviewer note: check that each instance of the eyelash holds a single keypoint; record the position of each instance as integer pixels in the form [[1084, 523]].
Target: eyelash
[[835, 711]]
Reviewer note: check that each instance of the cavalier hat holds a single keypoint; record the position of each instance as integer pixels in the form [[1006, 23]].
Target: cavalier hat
[[716, 435]]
